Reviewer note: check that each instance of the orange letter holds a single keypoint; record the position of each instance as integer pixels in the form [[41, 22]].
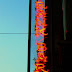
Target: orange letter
[[41, 48], [38, 66], [41, 57]]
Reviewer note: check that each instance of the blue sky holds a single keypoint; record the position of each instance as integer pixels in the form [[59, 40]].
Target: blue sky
[[14, 18], [14, 15]]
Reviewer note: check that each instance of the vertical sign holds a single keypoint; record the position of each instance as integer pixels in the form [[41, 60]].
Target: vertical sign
[[40, 27]]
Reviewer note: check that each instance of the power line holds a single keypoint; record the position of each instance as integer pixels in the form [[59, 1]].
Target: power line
[[16, 33]]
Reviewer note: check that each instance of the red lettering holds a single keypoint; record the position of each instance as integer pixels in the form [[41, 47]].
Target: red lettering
[[41, 13], [41, 57]]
